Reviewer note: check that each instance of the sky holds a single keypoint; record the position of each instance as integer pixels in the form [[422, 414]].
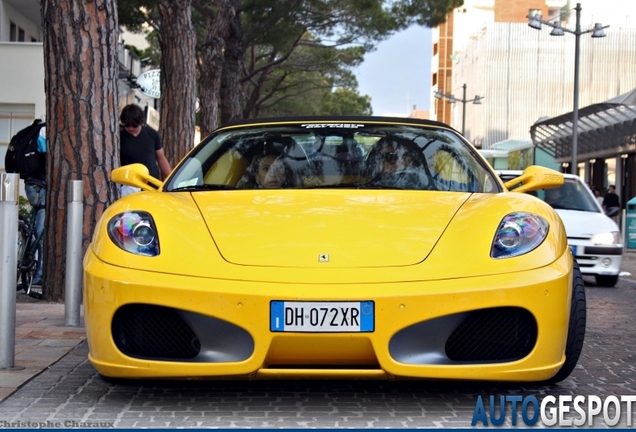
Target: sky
[[397, 74]]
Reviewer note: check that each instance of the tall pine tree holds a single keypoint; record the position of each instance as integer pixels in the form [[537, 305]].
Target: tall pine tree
[[81, 74]]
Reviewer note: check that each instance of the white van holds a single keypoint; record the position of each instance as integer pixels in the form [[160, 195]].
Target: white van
[[594, 238]]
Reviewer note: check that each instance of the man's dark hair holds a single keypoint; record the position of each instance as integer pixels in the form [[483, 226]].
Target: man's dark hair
[[132, 115]]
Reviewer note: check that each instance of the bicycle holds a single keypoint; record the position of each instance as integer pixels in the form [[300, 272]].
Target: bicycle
[[29, 242]]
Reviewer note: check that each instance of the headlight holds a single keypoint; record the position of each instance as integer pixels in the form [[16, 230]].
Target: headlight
[[607, 238], [134, 232], [518, 234]]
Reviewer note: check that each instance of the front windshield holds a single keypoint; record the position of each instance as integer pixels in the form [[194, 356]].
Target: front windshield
[[333, 155], [573, 195]]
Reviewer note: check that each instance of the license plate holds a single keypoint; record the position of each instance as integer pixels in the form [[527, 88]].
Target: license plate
[[573, 249], [322, 317]]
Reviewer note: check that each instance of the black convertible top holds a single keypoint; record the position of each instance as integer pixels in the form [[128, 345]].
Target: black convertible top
[[334, 119]]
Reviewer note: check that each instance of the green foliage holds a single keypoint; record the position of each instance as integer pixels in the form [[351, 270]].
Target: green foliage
[[296, 52], [135, 15], [346, 102], [303, 83], [338, 22], [23, 206], [430, 13]]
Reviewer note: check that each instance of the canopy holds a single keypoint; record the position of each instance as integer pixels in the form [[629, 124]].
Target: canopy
[[603, 129]]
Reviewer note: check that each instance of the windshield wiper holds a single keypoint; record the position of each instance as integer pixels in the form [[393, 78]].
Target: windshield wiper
[[203, 187]]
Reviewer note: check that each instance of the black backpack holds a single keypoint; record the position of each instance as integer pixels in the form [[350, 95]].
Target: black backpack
[[22, 155]]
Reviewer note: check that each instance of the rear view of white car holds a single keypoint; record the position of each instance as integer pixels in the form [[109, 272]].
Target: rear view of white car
[[594, 238]]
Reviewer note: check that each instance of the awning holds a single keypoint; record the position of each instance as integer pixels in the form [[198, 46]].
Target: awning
[[604, 128], [512, 145]]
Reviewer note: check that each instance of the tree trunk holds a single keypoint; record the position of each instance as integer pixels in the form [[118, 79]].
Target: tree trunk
[[81, 73], [210, 86], [178, 78], [234, 55], [211, 70]]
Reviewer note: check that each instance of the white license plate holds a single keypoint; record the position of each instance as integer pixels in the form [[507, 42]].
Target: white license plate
[[573, 249], [322, 317]]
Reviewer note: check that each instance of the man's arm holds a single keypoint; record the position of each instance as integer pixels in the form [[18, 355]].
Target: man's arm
[[164, 165]]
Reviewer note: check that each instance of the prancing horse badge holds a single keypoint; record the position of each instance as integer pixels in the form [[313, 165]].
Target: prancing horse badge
[[323, 257]]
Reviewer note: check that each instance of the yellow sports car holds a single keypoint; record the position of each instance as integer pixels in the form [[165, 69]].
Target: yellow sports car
[[333, 247]]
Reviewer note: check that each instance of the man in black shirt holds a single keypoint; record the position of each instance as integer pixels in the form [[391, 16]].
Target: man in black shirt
[[611, 202], [139, 143]]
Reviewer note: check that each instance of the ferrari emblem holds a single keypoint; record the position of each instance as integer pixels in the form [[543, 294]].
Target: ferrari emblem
[[323, 257]]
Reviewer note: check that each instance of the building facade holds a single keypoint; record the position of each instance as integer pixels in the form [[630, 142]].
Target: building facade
[[527, 76], [452, 38]]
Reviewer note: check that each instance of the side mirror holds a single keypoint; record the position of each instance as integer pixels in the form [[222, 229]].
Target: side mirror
[[535, 178], [136, 175]]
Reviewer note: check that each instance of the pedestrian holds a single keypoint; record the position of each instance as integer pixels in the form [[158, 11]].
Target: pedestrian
[[139, 143], [599, 197], [35, 190], [611, 202]]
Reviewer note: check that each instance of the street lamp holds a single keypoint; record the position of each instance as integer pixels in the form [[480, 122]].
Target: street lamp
[[452, 99], [535, 22]]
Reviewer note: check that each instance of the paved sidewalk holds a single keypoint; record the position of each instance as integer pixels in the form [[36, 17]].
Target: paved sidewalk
[[41, 339]]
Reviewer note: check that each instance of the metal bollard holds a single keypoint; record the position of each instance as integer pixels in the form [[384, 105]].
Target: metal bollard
[[9, 197], [74, 223]]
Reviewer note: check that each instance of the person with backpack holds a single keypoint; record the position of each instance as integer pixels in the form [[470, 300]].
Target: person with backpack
[[139, 143], [26, 156]]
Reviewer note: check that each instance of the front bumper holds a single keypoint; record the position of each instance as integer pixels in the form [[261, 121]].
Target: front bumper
[[227, 326], [597, 260]]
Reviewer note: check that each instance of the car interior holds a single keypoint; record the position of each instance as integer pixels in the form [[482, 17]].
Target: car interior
[[337, 159]]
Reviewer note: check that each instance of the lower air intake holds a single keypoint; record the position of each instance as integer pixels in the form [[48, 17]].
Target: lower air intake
[[154, 332], [497, 334]]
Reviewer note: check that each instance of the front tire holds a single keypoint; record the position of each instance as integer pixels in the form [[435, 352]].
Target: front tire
[[576, 327], [606, 281]]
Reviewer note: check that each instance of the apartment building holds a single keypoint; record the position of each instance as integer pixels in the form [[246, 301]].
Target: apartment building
[[21, 68]]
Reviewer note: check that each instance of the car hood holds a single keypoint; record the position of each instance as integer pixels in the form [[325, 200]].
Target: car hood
[[279, 235], [583, 224], [346, 230]]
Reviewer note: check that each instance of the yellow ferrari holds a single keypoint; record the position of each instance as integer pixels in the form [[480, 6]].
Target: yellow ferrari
[[333, 247]]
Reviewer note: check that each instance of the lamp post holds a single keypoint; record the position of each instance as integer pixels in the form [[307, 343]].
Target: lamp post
[[535, 22], [452, 99]]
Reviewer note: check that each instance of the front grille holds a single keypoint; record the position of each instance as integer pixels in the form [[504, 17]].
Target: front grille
[[497, 334], [154, 332], [603, 250]]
